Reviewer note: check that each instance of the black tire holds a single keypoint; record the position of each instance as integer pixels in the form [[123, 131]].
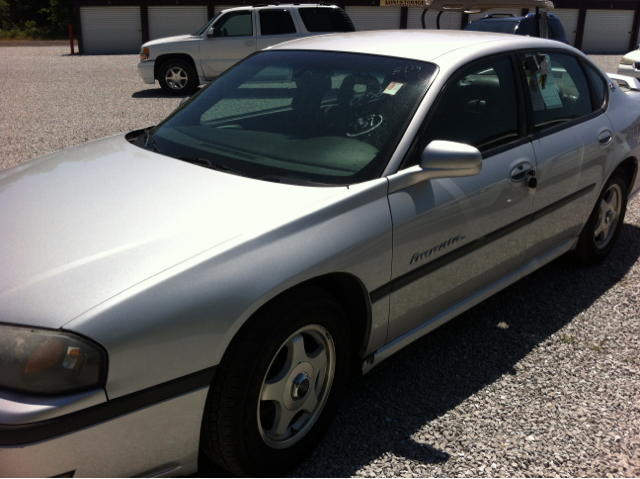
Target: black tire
[[177, 77], [594, 247], [236, 420]]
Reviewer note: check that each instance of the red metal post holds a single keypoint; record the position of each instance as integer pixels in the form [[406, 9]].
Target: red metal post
[[71, 38]]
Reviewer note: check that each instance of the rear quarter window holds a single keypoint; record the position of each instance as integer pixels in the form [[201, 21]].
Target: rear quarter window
[[326, 20]]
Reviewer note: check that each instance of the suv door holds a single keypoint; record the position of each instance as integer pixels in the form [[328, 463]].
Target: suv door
[[233, 39], [572, 143], [275, 26], [453, 237]]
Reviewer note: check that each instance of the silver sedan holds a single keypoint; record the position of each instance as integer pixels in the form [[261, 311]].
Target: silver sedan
[[209, 285]]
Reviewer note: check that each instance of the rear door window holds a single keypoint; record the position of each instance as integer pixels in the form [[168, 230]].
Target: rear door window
[[276, 22], [558, 90], [326, 20]]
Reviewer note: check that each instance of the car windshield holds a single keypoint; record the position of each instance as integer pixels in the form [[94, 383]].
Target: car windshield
[[299, 116], [496, 26]]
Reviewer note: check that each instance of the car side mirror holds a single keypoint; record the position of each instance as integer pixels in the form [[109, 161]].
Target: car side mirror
[[211, 32], [184, 100], [440, 159]]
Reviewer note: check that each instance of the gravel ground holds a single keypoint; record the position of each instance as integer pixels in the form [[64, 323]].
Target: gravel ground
[[539, 380]]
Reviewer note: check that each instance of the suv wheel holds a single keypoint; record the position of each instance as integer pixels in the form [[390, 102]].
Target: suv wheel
[[177, 77]]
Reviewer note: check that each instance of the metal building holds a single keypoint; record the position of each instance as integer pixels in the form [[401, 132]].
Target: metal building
[[121, 26]]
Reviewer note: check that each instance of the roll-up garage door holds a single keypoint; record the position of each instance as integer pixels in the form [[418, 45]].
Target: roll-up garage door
[[375, 18], [569, 19], [448, 20], [175, 20], [218, 8], [110, 30], [516, 12], [607, 31]]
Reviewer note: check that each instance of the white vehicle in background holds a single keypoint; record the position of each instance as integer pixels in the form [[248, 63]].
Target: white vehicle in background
[[630, 64], [183, 62]]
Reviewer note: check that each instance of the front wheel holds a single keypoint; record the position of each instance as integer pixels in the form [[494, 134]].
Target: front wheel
[[177, 77], [601, 232], [279, 386]]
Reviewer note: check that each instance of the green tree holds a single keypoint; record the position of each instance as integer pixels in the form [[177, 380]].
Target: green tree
[[59, 14], [5, 16]]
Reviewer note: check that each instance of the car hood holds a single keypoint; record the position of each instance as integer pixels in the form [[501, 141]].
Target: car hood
[[81, 225], [177, 38]]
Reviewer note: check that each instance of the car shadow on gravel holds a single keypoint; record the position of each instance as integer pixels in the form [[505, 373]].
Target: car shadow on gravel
[[156, 93], [384, 409]]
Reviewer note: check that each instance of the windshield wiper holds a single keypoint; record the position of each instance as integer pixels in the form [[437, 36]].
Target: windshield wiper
[[210, 164], [149, 137]]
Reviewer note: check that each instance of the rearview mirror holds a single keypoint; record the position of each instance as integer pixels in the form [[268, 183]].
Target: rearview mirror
[[440, 159]]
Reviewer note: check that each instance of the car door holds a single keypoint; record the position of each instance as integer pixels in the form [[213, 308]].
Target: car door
[[233, 39], [572, 141], [453, 237], [275, 26]]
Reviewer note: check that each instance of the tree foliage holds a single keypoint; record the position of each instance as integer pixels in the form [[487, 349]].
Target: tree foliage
[[37, 18]]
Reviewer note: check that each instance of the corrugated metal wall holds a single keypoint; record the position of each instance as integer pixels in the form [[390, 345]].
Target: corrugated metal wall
[[607, 31], [375, 18], [175, 20], [111, 30], [218, 8], [516, 12]]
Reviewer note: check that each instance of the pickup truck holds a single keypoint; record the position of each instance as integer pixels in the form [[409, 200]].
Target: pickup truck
[[183, 62]]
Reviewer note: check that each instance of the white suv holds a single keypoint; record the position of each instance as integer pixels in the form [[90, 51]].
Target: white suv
[[183, 62]]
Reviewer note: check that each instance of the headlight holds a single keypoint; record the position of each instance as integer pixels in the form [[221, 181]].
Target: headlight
[[627, 61], [48, 362], [144, 54]]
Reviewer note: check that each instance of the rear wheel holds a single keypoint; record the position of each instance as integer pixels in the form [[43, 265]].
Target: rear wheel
[[177, 77], [601, 232], [279, 386]]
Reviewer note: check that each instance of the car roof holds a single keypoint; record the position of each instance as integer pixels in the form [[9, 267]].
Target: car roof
[[422, 45], [280, 5]]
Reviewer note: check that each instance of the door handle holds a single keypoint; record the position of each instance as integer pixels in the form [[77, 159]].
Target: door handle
[[605, 137], [249, 43], [522, 171]]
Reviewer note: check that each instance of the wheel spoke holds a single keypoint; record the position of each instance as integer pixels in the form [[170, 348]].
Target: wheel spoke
[[318, 360], [297, 354], [282, 421], [311, 401], [273, 390]]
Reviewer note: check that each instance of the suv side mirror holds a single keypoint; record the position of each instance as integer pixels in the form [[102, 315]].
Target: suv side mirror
[[211, 32], [440, 159]]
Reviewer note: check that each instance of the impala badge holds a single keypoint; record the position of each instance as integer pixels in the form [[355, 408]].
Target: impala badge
[[420, 256]]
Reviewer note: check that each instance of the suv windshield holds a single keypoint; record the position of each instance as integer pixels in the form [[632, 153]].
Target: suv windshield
[[300, 116], [206, 25]]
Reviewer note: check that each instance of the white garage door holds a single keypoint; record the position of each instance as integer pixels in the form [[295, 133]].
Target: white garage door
[[569, 19], [516, 12], [448, 20], [607, 31], [375, 18], [110, 30], [175, 20]]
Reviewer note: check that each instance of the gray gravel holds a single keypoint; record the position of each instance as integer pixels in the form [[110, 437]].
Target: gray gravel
[[539, 380]]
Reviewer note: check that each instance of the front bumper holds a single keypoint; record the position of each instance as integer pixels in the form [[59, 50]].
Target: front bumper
[[145, 70], [142, 434], [629, 70]]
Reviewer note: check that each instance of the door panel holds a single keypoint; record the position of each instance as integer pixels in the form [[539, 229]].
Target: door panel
[[235, 40], [276, 26], [484, 216], [571, 160], [453, 237]]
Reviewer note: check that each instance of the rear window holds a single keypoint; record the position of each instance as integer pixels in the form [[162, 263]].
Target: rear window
[[326, 20], [495, 26]]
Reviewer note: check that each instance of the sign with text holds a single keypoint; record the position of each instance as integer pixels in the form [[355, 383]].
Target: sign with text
[[402, 3]]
